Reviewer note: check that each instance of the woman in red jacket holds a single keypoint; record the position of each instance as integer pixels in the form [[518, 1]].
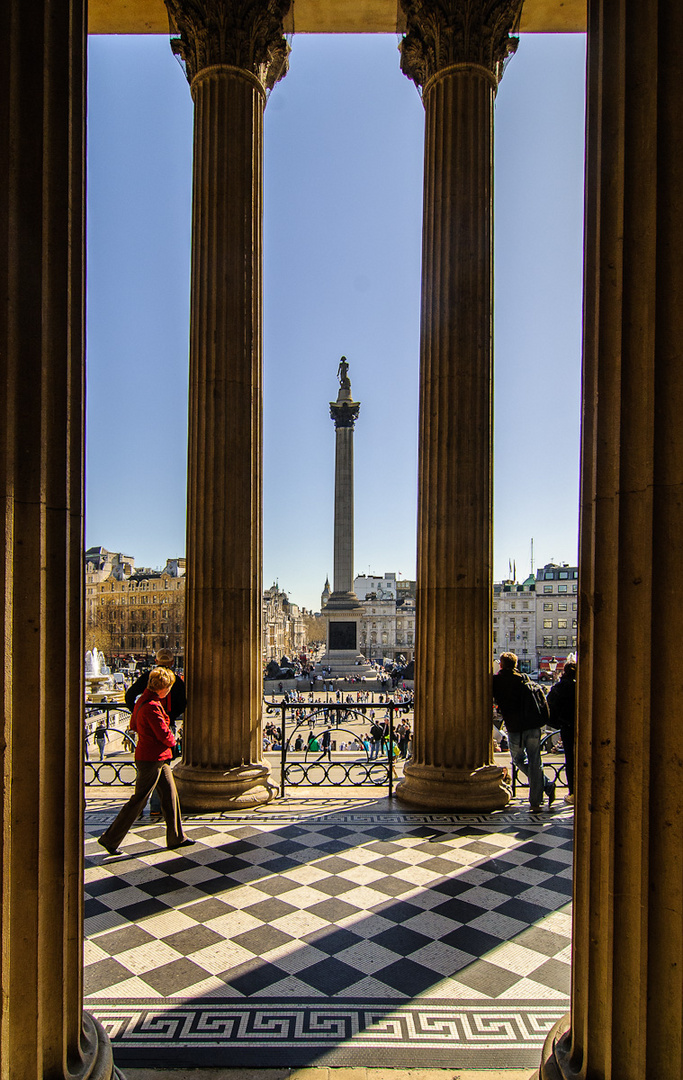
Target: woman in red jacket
[[152, 759]]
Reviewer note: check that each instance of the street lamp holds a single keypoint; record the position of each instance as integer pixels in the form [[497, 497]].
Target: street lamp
[[552, 667]]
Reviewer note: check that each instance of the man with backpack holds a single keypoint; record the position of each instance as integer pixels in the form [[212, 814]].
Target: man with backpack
[[523, 714]]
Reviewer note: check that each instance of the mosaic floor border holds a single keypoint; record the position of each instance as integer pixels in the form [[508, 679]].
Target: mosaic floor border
[[366, 1033]]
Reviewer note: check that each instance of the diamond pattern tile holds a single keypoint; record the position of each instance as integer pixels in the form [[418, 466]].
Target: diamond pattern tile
[[277, 938]]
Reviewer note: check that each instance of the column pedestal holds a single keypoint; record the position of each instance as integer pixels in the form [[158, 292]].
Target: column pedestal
[[452, 764]]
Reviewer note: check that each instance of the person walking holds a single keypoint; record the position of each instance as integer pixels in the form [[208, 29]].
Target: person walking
[[562, 705], [326, 745], [101, 738], [152, 759], [174, 704], [509, 691]]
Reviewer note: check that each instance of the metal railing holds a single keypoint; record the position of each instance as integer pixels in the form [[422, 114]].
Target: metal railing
[[107, 773], [311, 718], [557, 768]]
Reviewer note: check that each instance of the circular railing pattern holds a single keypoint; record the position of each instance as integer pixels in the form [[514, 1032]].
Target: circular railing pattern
[[110, 773], [337, 773], [556, 768]]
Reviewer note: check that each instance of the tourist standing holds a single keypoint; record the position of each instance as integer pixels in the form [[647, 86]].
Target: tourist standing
[[509, 691], [562, 705]]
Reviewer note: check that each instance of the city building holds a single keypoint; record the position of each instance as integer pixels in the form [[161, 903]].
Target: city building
[[284, 629], [557, 614], [132, 613], [514, 621], [387, 627]]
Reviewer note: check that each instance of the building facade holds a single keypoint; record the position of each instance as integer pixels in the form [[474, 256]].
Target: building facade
[[557, 614], [514, 621], [134, 612], [387, 629], [284, 628]]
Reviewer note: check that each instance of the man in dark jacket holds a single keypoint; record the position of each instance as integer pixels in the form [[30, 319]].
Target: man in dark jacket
[[174, 705], [509, 692], [562, 705]]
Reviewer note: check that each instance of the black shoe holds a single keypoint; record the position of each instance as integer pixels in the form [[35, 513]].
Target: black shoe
[[183, 843], [109, 850], [550, 791]]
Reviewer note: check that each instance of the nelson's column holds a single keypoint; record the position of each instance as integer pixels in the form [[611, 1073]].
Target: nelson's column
[[343, 610]]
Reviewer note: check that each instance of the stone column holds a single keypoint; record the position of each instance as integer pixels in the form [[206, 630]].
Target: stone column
[[627, 971], [43, 1030], [342, 610], [455, 50], [233, 51], [344, 411]]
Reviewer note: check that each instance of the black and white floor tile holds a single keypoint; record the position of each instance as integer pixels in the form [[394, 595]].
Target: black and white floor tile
[[285, 938]]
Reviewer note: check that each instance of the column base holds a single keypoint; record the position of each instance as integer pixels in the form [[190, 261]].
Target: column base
[[430, 787], [555, 1051], [207, 789], [98, 1061]]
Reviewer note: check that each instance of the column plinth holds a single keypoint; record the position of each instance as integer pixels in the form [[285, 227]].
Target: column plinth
[[452, 764], [229, 70], [627, 958]]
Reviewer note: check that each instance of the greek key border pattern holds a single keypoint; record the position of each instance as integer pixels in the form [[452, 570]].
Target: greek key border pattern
[[149, 1026], [298, 817]]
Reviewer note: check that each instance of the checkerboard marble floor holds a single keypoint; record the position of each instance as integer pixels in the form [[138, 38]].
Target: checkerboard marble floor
[[292, 937]]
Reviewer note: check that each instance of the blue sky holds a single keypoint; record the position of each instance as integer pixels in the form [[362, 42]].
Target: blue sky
[[342, 237]]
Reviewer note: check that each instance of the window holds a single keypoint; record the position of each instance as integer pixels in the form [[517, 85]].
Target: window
[[495, 606], [562, 642], [561, 624], [573, 641], [575, 588], [573, 624], [495, 636], [547, 624], [547, 588], [547, 642], [563, 575], [561, 607], [525, 634], [561, 588], [547, 607], [513, 605], [548, 575], [573, 607], [525, 605], [495, 619], [525, 618]]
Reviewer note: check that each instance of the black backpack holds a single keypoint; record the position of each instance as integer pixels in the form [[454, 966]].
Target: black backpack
[[534, 705]]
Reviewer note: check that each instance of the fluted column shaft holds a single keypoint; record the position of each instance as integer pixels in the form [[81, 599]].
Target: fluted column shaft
[[224, 537], [627, 975], [232, 51], [44, 1032], [453, 639], [343, 511], [455, 52]]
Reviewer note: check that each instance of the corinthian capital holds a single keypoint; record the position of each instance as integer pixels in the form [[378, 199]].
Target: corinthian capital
[[246, 34], [441, 33]]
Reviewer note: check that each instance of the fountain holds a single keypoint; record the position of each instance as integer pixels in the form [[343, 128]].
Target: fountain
[[99, 685]]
